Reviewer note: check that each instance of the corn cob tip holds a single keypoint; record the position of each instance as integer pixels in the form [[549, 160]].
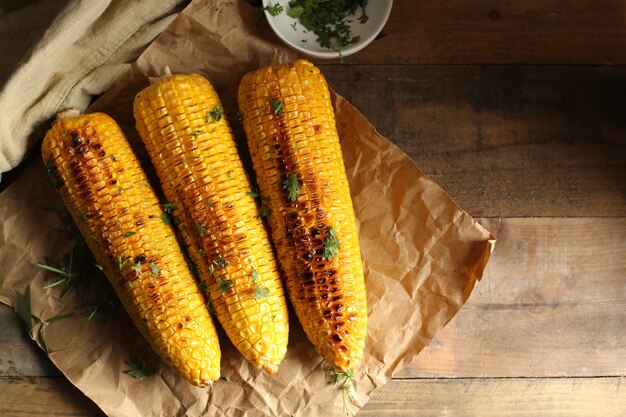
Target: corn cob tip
[[69, 113], [167, 72]]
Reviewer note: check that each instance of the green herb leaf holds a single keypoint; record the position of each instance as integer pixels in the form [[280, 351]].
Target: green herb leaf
[[277, 105], [224, 285], [155, 270], [257, 194], [208, 203], [295, 12], [121, 261], [274, 10], [113, 158], [331, 245], [209, 306], [215, 114], [344, 380], [165, 219], [129, 234], [136, 266], [220, 261], [229, 174], [261, 293], [195, 133], [292, 186], [265, 211], [255, 274], [168, 208], [138, 369], [201, 229]]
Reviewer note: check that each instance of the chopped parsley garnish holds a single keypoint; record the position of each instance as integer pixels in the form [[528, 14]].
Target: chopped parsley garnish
[[201, 229], [208, 203], [220, 262], [229, 174], [277, 105], [169, 208], [155, 270], [261, 293], [138, 369], [292, 186], [195, 133], [129, 234], [255, 274], [328, 19], [136, 266], [255, 194], [265, 211], [274, 10], [215, 114], [121, 261], [113, 158], [224, 285], [331, 245], [165, 218]]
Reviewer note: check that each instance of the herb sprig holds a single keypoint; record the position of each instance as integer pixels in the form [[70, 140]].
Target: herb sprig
[[344, 380], [138, 369], [331, 245], [274, 10], [292, 186]]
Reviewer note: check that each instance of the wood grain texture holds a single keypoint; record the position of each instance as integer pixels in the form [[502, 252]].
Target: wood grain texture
[[504, 140], [503, 32], [552, 302], [557, 397], [54, 396], [19, 355]]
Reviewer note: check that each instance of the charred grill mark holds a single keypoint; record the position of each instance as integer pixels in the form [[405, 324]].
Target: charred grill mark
[[318, 281], [76, 139]]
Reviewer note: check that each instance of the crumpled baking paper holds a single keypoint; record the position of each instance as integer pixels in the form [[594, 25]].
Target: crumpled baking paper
[[422, 254]]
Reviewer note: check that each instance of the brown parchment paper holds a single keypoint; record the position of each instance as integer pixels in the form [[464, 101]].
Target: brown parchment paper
[[422, 254]]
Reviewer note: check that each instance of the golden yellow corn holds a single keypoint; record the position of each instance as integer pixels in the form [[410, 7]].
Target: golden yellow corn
[[180, 120], [290, 124], [103, 186]]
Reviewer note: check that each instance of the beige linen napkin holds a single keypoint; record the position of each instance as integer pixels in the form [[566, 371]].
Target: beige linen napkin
[[59, 53]]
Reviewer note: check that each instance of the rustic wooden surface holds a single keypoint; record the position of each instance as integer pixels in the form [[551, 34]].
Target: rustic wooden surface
[[518, 110]]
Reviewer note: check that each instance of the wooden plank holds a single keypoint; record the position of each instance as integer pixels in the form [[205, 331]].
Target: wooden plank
[[503, 32], [555, 397], [552, 302], [504, 140], [566, 397], [54, 396], [20, 356]]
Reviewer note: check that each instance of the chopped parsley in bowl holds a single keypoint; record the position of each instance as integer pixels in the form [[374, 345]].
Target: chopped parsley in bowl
[[327, 28]]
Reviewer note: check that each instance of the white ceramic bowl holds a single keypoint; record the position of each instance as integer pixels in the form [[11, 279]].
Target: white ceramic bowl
[[295, 36]]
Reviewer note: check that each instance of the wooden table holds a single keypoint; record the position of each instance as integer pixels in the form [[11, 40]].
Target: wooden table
[[518, 110]]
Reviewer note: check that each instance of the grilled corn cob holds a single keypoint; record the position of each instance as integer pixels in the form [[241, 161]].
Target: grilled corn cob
[[289, 121], [180, 120], [103, 186]]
